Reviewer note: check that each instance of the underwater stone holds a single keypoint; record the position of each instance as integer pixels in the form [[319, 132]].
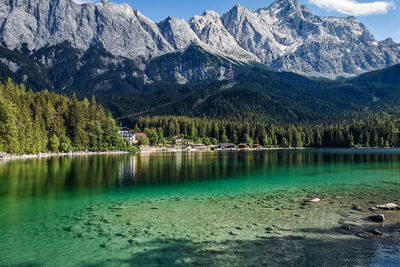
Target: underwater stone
[[313, 200], [72, 228], [389, 206], [358, 208], [346, 227], [376, 232], [377, 218]]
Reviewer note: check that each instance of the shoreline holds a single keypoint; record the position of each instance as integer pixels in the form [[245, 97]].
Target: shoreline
[[149, 150], [8, 157]]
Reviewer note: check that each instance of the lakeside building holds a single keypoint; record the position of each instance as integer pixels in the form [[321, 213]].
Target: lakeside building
[[243, 146], [177, 139], [139, 135], [127, 134], [226, 146]]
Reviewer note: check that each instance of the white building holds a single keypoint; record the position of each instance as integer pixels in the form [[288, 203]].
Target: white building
[[127, 134]]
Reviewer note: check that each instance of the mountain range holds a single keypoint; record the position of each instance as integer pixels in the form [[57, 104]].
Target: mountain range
[[140, 67], [285, 36]]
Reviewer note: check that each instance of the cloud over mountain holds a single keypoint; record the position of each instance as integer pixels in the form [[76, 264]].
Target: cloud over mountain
[[354, 8]]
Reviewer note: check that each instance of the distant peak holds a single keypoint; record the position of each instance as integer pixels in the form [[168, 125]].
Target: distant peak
[[238, 6], [105, 2], [211, 13], [283, 3]]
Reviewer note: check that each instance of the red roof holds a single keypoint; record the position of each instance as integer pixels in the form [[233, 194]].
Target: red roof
[[140, 135]]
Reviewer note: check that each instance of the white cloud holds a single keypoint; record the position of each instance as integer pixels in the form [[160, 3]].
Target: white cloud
[[354, 8]]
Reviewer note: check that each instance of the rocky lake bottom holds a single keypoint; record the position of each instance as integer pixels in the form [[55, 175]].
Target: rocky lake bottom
[[309, 224]]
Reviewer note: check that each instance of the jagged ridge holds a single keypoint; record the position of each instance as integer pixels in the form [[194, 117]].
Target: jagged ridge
[[285, 36]]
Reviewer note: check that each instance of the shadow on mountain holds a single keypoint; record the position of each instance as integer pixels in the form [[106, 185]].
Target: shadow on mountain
[[291, 250]]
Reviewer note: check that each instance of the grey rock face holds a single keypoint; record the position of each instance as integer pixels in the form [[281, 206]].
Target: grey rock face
[[288, 37], [211, 31], [122, 31], [178, 33], [285, 35]]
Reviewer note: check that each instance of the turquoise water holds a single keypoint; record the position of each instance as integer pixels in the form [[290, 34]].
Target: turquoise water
[[164, 209]]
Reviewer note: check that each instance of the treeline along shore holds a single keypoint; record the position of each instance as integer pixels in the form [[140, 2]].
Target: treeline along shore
[[46, 122], [363, 134], [42, 122]]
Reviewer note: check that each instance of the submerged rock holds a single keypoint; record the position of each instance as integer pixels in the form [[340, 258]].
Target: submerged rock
[[313, 200], [377, 218], [346, 227], [389, 206], [376, 232], [357, 208], [72, 228]]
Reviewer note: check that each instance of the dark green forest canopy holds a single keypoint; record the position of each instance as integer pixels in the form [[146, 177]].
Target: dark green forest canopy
[[43, 121], [262, 95], [373, 133]]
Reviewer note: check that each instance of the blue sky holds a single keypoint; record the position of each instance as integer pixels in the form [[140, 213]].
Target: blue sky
[[382, 17]]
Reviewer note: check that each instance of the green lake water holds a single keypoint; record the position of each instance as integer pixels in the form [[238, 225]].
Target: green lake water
[[208, 209]]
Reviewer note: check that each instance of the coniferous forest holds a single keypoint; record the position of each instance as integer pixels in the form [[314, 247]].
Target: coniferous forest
[[372, 133], [41, 122]]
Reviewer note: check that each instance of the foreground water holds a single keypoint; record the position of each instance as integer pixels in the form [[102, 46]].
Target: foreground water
[[214, 209]]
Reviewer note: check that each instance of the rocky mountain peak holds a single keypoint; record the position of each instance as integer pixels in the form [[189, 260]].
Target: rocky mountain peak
[[285, 35]]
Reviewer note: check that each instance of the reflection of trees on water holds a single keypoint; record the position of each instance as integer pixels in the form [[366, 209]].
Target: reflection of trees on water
[[53, 175], [181, 167]]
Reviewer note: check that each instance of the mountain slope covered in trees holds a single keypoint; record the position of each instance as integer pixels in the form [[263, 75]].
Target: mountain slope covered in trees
[[260, 94]]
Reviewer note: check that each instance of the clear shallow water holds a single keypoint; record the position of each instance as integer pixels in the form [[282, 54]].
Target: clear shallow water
[[196, 208]]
